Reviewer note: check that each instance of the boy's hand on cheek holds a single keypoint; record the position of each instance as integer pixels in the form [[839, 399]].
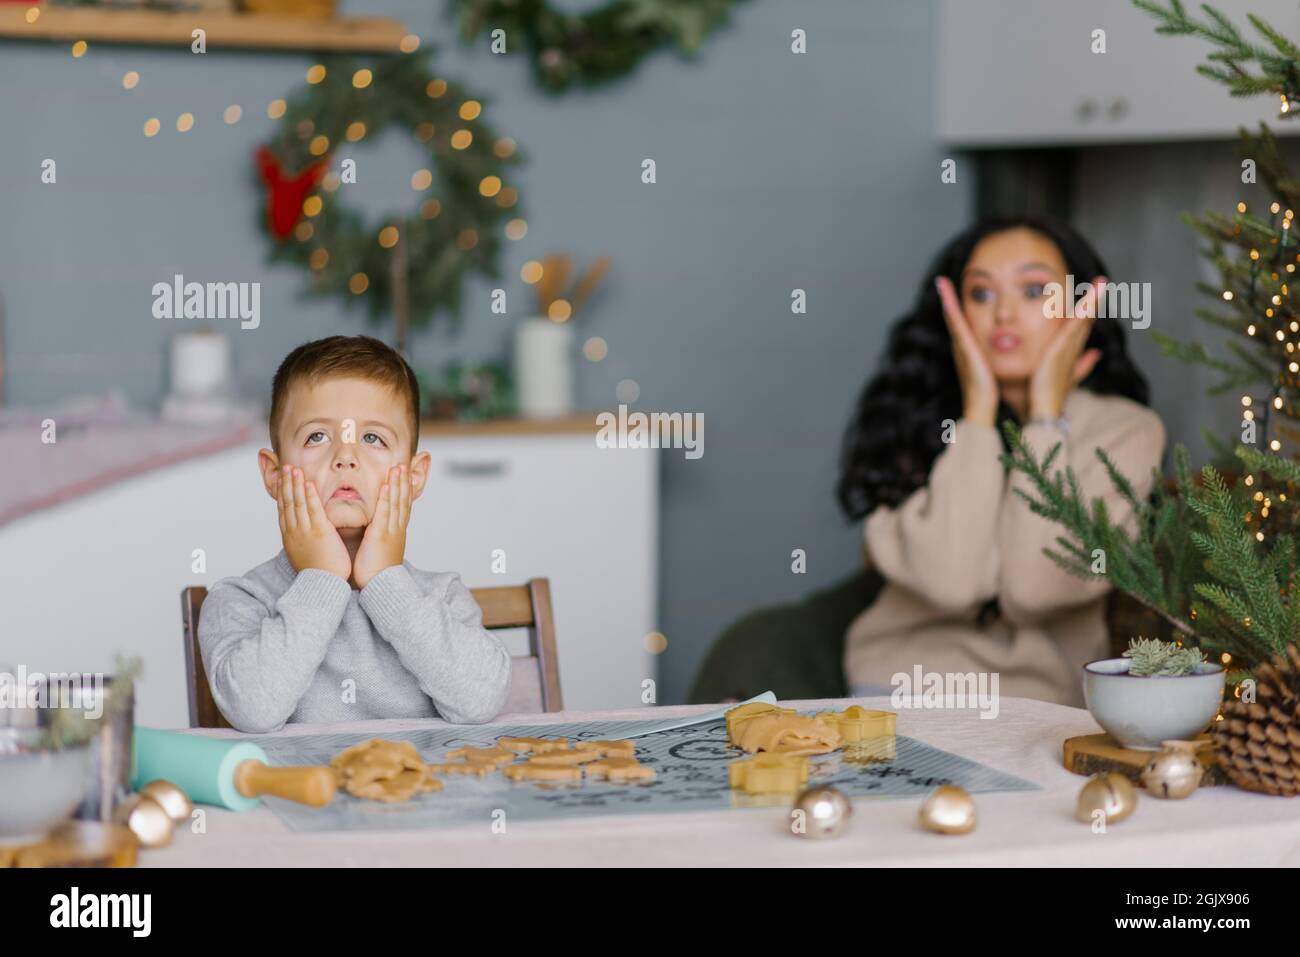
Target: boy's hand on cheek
[[310, 538], [384, 543]]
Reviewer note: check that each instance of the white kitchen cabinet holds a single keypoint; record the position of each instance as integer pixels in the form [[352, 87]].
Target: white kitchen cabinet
[[103, 572], [1022, 73], [555, 506]]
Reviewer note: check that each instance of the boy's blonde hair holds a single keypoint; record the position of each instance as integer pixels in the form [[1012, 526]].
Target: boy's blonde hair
[[353, 357]]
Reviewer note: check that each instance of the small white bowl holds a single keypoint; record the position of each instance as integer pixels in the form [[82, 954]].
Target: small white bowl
[[1140, 711], [39, 787]]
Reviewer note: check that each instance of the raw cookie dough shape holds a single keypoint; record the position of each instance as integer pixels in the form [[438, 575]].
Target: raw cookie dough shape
[[383, 771], [564, 758], [609, 749], [769, 773], [618, 770], [788, 733], [400, 788], [395, 756], [533, 745], [480, 769], [752, 709], [527, 771], [496, 757], [857, 724]]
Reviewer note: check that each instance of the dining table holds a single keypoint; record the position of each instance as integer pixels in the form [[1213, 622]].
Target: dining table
[[1216, 826]]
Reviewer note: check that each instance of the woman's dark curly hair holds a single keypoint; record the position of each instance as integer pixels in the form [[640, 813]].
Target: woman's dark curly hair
[[894, 437]]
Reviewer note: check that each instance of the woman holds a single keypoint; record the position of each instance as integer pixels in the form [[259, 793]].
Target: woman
[[967, 586]]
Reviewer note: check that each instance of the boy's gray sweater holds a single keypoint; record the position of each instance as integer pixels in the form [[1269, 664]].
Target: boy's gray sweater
[[280, 646]]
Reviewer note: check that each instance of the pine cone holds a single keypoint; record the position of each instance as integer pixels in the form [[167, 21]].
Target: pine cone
[[1258, 744]]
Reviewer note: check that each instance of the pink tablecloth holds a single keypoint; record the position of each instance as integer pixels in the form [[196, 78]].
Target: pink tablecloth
[[1219, 826]]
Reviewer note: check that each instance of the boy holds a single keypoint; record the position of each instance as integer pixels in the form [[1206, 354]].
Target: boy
[[339, 626]]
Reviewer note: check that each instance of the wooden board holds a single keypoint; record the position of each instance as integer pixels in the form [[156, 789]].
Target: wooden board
[[77, 844], [1093, 753], [224, 30], [576, 423]]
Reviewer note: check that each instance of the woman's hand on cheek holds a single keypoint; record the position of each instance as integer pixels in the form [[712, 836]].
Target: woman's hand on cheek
[[1065, 363], [384, 543], [979, 388]]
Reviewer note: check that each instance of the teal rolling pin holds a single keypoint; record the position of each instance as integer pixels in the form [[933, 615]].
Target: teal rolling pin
[[233, 774]]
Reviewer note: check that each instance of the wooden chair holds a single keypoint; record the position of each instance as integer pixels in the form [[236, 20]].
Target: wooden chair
[[534, 677]]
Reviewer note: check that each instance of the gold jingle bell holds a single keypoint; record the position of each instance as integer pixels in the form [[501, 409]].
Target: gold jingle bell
[[1108, 793], [819, 812], [1175, 771], [173, 800], [146, 819], [948, 810]]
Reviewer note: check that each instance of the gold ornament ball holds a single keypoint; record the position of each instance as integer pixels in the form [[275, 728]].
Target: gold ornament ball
[[826, 812], [146, 819], [1111, 793], [1174, 772], [948, 810], [172, 799]]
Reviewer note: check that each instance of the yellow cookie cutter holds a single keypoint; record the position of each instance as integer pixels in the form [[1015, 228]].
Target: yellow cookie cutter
[[856, 723], [769, 773]]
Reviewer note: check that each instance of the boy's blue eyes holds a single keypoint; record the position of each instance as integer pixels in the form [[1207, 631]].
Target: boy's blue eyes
[[375, 435]]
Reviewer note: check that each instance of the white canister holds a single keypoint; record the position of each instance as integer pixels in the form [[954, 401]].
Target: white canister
[[543, 368], [200, 364]]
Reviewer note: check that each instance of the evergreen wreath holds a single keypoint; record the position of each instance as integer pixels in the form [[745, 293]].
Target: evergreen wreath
[[409, 264], [597, 46]]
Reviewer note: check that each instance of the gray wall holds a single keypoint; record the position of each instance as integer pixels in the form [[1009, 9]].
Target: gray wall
[[1128, 201], [775, 171]]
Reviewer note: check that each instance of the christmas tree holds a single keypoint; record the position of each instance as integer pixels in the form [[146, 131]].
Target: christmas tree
[[1213, 556], [1256, 258]]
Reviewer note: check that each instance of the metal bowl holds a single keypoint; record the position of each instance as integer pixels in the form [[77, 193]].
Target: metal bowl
[[40, 786]]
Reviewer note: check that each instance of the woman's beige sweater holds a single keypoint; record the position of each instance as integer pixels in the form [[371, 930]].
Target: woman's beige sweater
[[967, 537]]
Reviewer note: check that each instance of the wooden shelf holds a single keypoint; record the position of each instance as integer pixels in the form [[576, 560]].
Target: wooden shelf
[[573, 424], [224, 30]]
